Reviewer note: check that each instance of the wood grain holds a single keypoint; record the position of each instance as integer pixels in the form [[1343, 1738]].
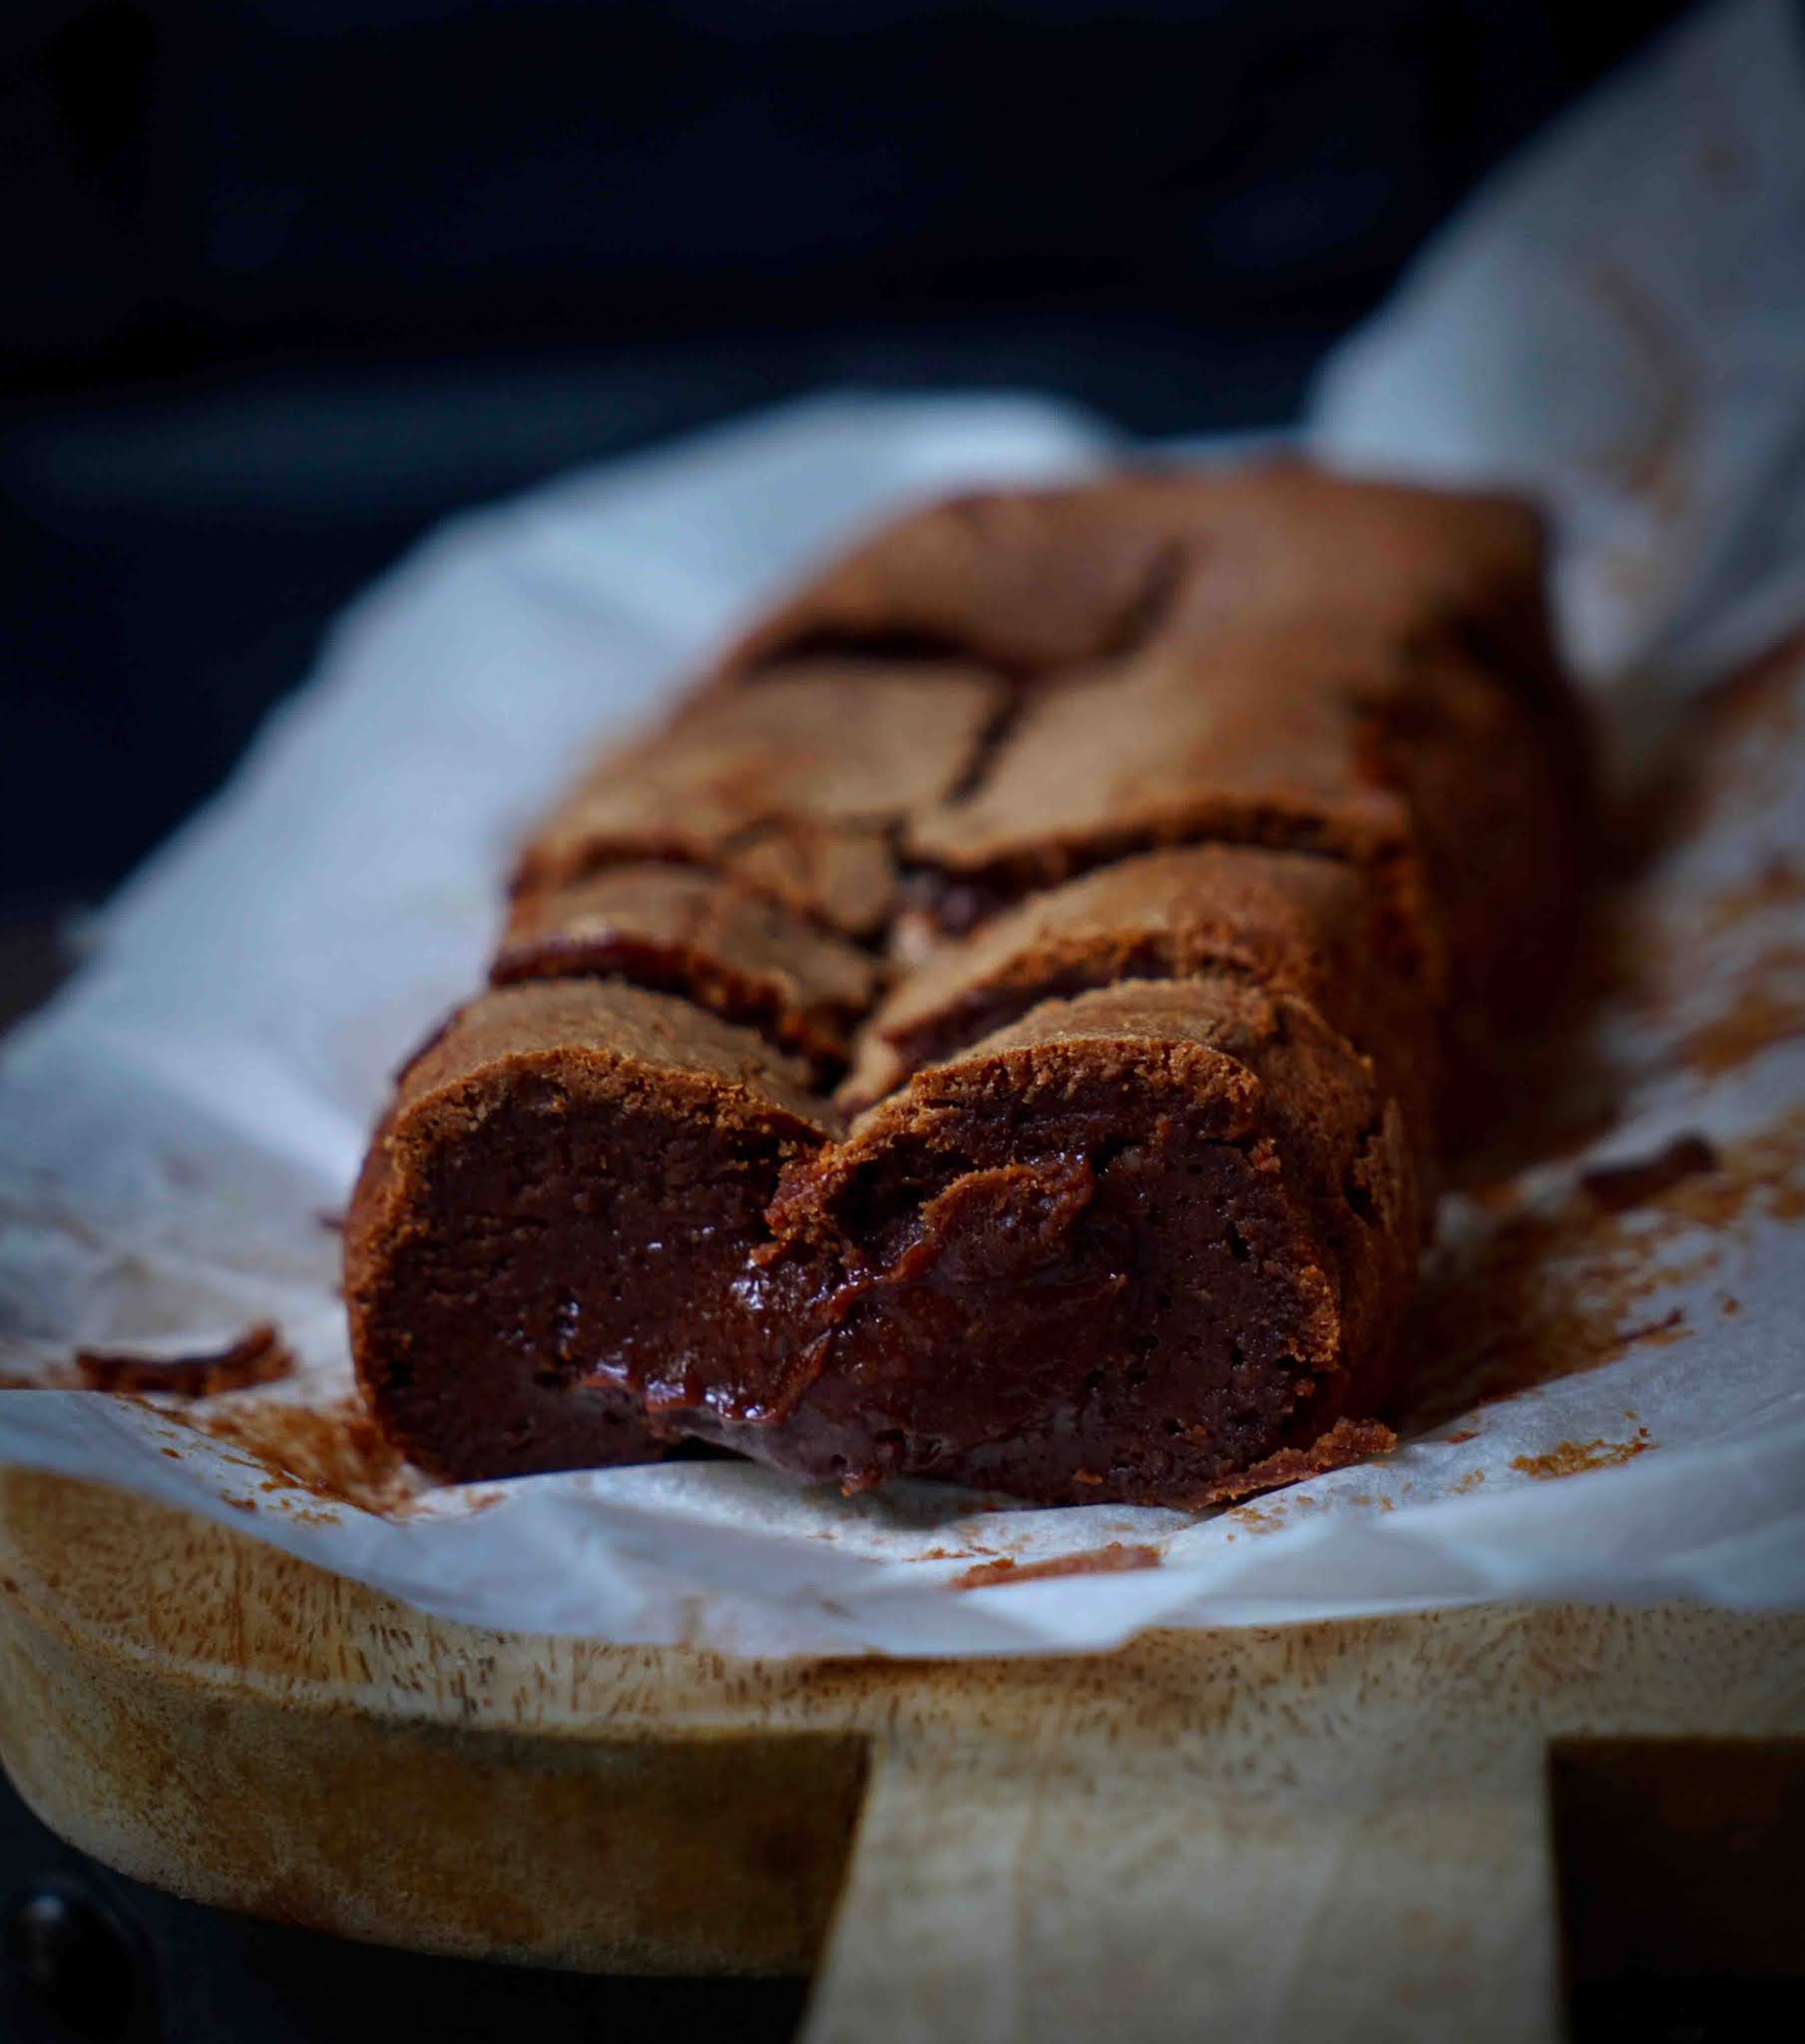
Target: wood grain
[[1334, 1831]]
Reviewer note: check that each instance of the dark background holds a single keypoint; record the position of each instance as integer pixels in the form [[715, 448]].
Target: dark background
[[284, 281]]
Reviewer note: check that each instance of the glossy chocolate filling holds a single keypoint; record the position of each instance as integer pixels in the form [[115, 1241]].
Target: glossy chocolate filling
[[571, 1270]]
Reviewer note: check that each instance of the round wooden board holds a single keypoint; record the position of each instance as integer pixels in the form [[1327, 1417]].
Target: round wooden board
[[1333, 1829]]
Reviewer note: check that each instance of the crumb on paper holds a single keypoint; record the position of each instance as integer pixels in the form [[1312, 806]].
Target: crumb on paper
[[1097, 1561], [258, 1357], [1720, 162], [1766, 1007], [335, 1452], [1671, 1326], [1533, 1293], [1576, 1458], [1777, 883], [1657, 467], [1264, 1518], [1616, 1186]]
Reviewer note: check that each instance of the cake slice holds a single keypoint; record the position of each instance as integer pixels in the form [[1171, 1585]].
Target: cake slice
[[1146, 1244], [552, 1222]]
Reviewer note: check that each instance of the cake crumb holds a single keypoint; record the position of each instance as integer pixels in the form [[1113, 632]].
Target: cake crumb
[[258, 1357], [1575, 1458], [1619, 1186]]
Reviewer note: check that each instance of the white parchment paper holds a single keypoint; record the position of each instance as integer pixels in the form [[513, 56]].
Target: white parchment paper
[[1619, 322]]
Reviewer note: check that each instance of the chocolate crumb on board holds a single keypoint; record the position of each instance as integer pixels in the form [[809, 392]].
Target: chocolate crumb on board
[[258, 1357]]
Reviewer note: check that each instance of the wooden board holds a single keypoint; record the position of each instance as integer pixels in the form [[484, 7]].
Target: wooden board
[[1340, 1831]]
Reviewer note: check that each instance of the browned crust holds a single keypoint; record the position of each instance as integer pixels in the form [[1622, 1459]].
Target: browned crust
[[794, 787], [722, 946], [1032, 580], [1285, 921]]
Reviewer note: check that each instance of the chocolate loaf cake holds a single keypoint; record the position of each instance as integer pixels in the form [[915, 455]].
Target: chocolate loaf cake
[[1004, 1025]]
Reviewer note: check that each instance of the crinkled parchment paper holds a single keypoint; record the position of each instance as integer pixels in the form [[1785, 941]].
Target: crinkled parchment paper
[[1611, 1390]]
